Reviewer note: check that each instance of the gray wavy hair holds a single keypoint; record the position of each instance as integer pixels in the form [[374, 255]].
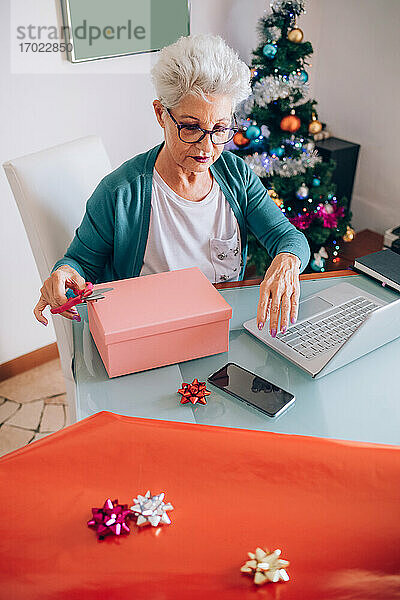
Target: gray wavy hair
[[200, 64]]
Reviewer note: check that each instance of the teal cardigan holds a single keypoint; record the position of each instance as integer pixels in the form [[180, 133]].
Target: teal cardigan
[[111, 241]]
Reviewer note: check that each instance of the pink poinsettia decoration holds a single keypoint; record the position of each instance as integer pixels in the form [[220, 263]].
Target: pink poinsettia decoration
[[302, 221], [330, 213]]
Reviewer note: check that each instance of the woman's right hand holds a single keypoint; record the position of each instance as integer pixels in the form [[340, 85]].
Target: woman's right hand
[[53, 292]]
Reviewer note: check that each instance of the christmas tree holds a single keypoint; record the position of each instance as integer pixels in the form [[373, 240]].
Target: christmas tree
[[277, 123]]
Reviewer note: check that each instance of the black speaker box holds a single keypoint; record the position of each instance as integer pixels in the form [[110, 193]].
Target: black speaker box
[[345, 154]]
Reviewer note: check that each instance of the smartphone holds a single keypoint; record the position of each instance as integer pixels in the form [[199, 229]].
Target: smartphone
[[252, 389]]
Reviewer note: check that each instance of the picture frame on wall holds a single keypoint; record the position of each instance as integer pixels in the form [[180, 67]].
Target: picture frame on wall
[[95, 29]]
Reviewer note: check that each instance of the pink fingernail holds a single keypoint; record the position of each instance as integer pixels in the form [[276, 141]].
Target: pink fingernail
[[76, 318], [260, 326], [293, 320], [284, 330], [273, 332]]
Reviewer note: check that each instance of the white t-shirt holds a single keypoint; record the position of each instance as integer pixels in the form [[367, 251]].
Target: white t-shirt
[[184, 234]]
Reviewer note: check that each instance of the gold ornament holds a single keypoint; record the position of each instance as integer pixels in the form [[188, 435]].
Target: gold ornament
[[266, 567], [349, 235], [315, 126], [274, 196], [295, 35]]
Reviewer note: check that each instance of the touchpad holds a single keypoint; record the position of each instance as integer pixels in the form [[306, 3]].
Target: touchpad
[[311, 306]]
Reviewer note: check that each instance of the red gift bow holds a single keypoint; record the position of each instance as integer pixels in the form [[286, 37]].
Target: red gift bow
[[194, 392], [110, 519]]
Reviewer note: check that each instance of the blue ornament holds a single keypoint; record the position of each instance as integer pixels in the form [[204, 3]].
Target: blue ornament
[[316, 182], [279, 151], [319, 266], [269, 50], [252, 132], [303, 76]]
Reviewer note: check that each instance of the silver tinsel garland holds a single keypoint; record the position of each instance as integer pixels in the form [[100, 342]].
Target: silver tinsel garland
[[295, 6], [265, 166], [245, 108], [273, 34], [271, 88]]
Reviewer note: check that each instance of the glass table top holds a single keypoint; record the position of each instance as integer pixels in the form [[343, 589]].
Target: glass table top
[[360, 401]]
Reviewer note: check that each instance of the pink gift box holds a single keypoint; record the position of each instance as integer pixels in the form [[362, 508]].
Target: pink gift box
[[158, 320]]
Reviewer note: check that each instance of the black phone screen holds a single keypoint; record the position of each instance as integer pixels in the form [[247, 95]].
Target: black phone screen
[[251, 388]]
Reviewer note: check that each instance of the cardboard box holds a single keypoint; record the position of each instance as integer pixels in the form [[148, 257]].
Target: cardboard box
[[157, 320]]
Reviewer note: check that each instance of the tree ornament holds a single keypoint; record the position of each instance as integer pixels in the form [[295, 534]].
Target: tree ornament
[[291, 122], [310, 147], [279, 151], [266, 566], [295, 35], [274, 196], [269, 50], [302, 192], [265, 132], [349, 235], [240, 140], [303, 76], [318, 267], [316, 182], [318, 262], [253, 72], [315, 126], [252, 132]]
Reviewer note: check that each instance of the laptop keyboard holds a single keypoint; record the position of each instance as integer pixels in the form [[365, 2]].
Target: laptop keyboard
[[319, 334]]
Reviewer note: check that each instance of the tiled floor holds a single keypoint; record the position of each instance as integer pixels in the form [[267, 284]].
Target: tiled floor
[[32, 405]]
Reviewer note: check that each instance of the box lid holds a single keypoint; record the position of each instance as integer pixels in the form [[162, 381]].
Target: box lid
[[159, 303]]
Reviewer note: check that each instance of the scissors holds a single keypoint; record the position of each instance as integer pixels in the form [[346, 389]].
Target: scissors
[[81, 297]]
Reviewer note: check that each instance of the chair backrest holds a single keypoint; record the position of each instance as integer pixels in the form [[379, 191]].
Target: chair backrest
[[51, 188]]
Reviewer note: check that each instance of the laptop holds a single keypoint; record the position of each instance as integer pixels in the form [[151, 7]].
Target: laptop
[[334, 327]]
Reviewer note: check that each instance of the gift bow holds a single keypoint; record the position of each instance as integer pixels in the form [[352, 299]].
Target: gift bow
[[266, 566]]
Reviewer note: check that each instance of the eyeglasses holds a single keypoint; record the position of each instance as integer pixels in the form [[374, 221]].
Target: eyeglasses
[[190, 133]]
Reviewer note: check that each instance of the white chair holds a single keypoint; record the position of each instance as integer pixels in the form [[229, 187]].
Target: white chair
[[51, 188]]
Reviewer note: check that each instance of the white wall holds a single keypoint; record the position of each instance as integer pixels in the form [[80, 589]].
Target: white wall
[[356, 82], [354, 77]]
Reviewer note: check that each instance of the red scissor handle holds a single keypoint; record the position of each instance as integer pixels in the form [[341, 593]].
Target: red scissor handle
[[80, 296]]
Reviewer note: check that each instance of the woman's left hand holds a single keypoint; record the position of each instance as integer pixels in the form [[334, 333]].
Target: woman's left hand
[[280, 292]]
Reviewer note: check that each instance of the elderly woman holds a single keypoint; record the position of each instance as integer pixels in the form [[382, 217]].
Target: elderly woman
[[186, 202]]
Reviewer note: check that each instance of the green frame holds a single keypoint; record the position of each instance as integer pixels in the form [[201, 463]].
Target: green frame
[[160, 26]]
